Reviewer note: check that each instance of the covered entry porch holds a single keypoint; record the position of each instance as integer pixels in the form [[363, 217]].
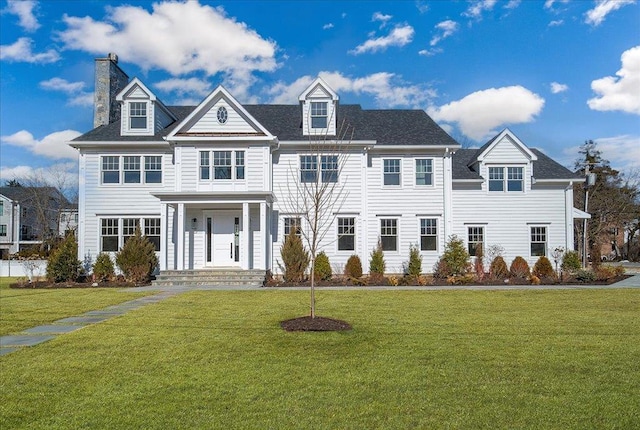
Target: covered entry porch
[[215, 230]]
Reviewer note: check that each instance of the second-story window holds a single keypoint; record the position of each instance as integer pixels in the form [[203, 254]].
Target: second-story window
[[131, 169], [308, 168], [239, 164], [318, 114], [137, 115], [110, 169], [153, 169], [509, 179], [222, 164], [424, 171], [329, 164], [391, 171], [226, 165], [204, 165]]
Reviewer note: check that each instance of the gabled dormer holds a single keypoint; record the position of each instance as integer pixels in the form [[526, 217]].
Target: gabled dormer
[[142, 114], [319, 109]]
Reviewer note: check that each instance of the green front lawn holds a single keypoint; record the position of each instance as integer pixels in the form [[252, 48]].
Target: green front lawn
[[414, 359]]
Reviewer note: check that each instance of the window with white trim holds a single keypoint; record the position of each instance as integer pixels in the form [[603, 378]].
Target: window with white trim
[[318, 114], [538, 241], [475, 238], [129, 226], [239, 164], [110, 169], [153, 169], [424, 171], [114, 232], [225, 165], [1, 207], [329, 167], [152, 231], [205, 166], [137, 115], [496, 179], [131, 167], [292, 224], [109, 235], [308, 168], [509, 179], [221, 164], [3, 230], [428, 234], [391, 171], [515, 179], [389, 234], [346, 234]]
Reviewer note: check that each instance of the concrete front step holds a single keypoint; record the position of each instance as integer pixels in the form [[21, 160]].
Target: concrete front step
[[219, 277]]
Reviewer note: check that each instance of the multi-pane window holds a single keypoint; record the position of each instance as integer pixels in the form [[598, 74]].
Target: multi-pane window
[[222, 164], [346, 234], [424, 171], [152, 231], [329, 166], [308, 168], [292, 224], [391, 171], [205, 172], [109, 234], [538, 241], [239, 164], [496, 179], [428, 234], [129, 226], [153, 169], [131, 165], [110, 169], [3, 230], [515, 179], [138, 115], [475, 239], [318, 114], [389, 234], [1, 207]]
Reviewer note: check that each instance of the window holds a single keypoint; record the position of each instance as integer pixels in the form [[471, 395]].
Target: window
[[204, 165], [391, 171], [346, 234], [109, 235], [239, 164], [515, 181], [110, 169], [3, 230], [308, 168], [222, 164], [153, 169], [496, 179], [389, 234], [222, 115], [25, 233], [129, 226], [428, 234], [137, 115], [424, 172], [318, 114], [475, 238], [23, 211], [329, 165], [292, 224], [152, 231], [131, 169], [1, 207], [538, 241]]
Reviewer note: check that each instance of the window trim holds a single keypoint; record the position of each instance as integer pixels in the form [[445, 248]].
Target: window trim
[[319, 110], [286, 225], [138, 114], [423, 234], [545, 232], [308, 168], [396, 231], [504, 180], [429, 172], [142, 169], [342, 231], [119, 226], [385, 172], [210, 166], [3, 230], [483, 234]]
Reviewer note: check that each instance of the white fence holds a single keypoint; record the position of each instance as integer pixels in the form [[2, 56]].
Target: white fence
[[18, 268]]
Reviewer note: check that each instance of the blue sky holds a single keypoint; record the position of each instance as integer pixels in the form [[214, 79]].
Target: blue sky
[[555, 72]]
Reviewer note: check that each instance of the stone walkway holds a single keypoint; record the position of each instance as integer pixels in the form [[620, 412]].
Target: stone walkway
[[44, 333]]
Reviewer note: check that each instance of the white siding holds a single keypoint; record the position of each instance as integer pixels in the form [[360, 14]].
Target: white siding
[[505, 151], [209, 123]]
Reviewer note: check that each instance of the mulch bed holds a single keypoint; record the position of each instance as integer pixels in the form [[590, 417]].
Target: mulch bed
[[315, 324], [61, 285]]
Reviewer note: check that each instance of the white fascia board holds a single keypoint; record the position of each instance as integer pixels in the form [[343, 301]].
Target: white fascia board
[[171, 197], [506, 132], [130, 85], [327, 142], [391, 148], [155, 144], [217, 139], [578, 214], [468, 180], [554, 181]]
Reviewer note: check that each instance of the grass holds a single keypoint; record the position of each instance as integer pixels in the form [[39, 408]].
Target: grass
[[21, 309], [414, 359]]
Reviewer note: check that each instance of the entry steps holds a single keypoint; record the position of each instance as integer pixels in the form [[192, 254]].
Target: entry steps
[[210, 277]]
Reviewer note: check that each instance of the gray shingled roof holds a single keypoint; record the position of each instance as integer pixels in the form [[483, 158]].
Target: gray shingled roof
[[386, 127]]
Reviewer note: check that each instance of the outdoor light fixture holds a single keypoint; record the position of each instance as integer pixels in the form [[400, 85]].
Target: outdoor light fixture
[[194, 223]]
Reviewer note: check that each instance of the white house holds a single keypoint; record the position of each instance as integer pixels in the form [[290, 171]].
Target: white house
[[216, 185]]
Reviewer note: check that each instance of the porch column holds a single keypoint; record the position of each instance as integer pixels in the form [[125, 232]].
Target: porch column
[[263, 237], [180, 226], [163, 236], [245, 236]]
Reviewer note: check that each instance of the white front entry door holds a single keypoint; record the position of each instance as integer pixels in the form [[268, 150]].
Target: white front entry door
[[222, 239]]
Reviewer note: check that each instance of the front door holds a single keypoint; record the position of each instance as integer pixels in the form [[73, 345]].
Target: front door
[[222, 239]]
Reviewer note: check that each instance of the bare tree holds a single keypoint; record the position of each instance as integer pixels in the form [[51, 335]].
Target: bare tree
[[315, 190]]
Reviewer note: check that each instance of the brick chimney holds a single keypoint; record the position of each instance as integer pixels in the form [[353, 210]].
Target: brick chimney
[[110, 80]]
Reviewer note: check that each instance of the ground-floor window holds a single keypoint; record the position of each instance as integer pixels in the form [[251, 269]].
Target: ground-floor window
[[3, 229], [109, 235], [389, 234], [292, 224], [475, 239], [428, 234], [114, 232], [346, 234], [129, 226], [152, 231], [538, 241]]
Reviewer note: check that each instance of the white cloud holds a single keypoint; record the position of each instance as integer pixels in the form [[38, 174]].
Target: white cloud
[[185, 87], [23, 9], [75, 91], [621, 92], [548, 4], [399, 36], [445, 29], [59, 174], [20, 51], [378, 16], [556, 23], [430, 52], [53, 145], [479, 113], [477, 7], [558, 88], [603, 8], [383, 87], [512, 4], [327, 26], [422, 6], [177, 37], [623, 152]]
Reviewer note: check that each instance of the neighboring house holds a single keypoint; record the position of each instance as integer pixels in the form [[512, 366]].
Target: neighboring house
[[211, 185], [68, 220], [28, 216]]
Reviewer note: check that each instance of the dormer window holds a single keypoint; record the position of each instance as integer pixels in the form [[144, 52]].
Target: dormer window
[[318, 114], [222, 115], [514, 179], [137, 115]]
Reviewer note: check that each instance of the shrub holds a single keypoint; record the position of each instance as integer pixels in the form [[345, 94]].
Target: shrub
[[543, 268], [454, 261], [519, 268], [394, 281], [606, 272], [103, 268], [377, 265], [353, 268], [294, 257], [585, 276], [461, 279], [499, 269], [63, 264], [478, 264], [414, 268], [137, 259], [535, 280], [322, 267], [571, 261]]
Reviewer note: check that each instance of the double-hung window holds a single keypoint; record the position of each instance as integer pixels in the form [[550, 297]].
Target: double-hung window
[[391, 171], [515, 179], [389, 234], [475, 239], [239, 164], [428, 234], [1, 207], [538, 241], [506, 179], [109, 234], [318, 114], [129, 226], [111, 169], [153, 169], [292, 225], [3, 230], [424, 171], [226, 165], [152, 231], [222, 164], [346, 234], [308, 168], [329, 165], [131, 165], [496, 179], [205, 166], [137, 115]]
